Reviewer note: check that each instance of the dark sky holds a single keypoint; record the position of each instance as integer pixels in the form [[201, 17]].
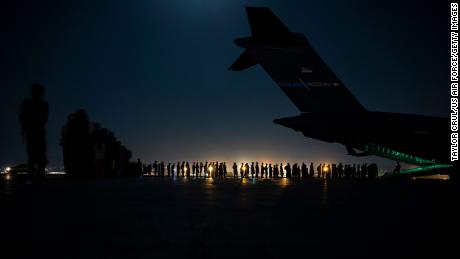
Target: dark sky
[[155, 72]]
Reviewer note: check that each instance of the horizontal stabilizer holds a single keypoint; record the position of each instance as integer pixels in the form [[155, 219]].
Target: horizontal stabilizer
[[244, 61]]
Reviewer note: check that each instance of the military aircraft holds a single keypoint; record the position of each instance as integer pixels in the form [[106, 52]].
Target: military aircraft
[[329, 111]]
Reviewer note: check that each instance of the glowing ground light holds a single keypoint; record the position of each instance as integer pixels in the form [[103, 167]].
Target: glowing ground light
[[284, 182], [325, 168]]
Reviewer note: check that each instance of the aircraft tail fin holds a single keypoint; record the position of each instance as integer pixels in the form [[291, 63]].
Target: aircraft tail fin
[[294, 65], [266, 26]]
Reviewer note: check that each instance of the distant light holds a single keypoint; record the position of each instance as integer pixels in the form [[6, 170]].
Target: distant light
[[211, 168], [325, 168], [56, 173], [7, 169]]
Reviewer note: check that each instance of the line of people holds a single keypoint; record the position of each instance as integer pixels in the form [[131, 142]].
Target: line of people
[[90, 150], [264, 170]]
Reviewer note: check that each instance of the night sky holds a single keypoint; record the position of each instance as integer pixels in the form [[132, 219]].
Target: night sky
[[155, 72]]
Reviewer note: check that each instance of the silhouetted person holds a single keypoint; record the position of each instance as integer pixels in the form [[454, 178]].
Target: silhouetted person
[[33, 118], [235, 170], [206, 169], [312, 170], [178, 169], [182, 168], [340, 170], [155, 167], [304, 170], [75, 143], [334, 171], [295, 171], [326, 171], [276, 171], [288, 170], [187, 169], [262, 170], [139, 167]]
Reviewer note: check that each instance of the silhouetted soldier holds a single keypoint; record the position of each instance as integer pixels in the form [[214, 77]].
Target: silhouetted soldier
[[270, 171], [252, 169], [33, 117], [257, 169], [281, 170]]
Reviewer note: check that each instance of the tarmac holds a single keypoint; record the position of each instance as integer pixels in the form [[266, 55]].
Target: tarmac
[[160, 217]]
